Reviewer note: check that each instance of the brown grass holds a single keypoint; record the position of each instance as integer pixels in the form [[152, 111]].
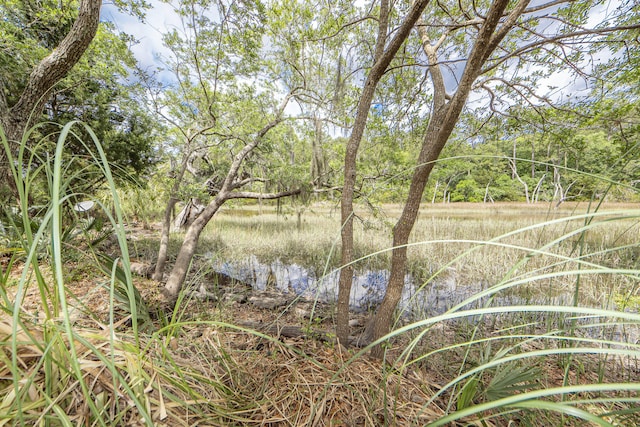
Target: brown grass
[[226, 378], [210, 373], [205, 373]]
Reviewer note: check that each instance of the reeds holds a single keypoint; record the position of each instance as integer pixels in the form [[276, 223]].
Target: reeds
[[59, 366], [537, 360], [557, 289]]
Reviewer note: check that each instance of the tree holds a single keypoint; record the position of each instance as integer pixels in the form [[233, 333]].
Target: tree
[[221, 106], [17, 113], [383, 53], [488, 41], [99, 91]]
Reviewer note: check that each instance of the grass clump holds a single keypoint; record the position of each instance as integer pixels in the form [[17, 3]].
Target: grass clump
[[547, 334], [542, 310], [78, 345]]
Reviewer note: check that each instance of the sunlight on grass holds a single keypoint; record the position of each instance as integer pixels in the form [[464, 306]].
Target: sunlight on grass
[[549, 334], [583, 257]]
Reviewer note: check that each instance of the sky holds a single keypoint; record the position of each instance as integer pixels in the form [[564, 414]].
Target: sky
[[161, 18]]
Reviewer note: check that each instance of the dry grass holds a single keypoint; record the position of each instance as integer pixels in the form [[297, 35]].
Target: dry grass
[[205, 373], [209, 372], [447, 241], [301, 383], [210, 375]]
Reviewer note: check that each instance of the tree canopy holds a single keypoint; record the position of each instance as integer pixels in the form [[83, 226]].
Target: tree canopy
[[55, 67]]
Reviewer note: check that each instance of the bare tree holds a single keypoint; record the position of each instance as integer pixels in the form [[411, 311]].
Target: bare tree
[[516, 175], [15, 119]]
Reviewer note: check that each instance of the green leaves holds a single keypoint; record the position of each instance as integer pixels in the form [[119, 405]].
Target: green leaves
[[94, 90], [510, 379]]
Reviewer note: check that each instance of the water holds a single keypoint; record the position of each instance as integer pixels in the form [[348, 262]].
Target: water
[[367, 290], [417, 302]]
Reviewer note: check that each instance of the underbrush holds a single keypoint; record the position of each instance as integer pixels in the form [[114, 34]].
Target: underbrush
[[83, 342]]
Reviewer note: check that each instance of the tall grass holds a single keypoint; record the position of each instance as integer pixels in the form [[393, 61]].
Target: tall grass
[[52, 362], [552, 335], [505, 358], [549, 337], [61, 367]]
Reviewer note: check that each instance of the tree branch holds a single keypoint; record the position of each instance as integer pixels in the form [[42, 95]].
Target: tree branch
[[261, 196], [501, 33], [545, 40], [383, 28], [246, 181], [544, 6], [347, 25], [57, 64], [439, 89]]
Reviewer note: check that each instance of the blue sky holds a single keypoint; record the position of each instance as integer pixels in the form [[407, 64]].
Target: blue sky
[[160, 17]]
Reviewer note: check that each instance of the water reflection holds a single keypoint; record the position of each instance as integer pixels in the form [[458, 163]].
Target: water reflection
[[417, 302], [367, 291]]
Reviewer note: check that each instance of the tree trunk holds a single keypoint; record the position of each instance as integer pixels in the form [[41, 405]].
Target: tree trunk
[[382, 59], [318, 164], [524, 184], [163, 251], [434, 141], [346, 273], [190, 242], [533, 160], [514, 157], [188, 249], [54, 67], [443, 120]]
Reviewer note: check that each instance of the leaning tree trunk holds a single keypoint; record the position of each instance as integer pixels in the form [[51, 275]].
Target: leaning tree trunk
[[54, 67], [188, 249], [382, 59], [443, 120], [163, 251]]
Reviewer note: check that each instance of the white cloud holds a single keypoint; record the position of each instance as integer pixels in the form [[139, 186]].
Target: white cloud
[[159, 19]]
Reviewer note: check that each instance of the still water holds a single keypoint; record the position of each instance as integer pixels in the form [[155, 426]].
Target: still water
[[418, 300]]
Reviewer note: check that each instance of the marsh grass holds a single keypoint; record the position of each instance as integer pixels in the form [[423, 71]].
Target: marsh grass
[[441, 235], [564, 351], [551, 311], [65, 360]]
